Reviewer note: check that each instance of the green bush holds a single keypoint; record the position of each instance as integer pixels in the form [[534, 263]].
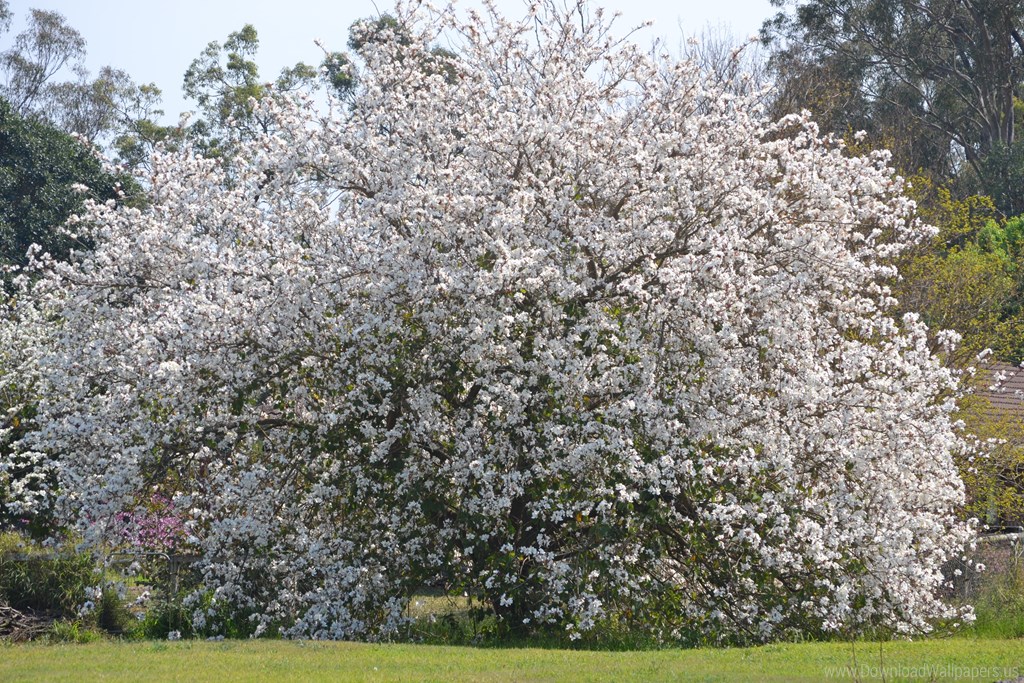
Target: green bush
[[69, 587], [112, 614], [163, 618], [32, 578]]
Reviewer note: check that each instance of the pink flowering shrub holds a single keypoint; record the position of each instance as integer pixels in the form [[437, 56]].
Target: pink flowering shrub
[[560, 323], [155, 527]]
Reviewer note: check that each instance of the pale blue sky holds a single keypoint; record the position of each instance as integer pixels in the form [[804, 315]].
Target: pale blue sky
[[156, 40]]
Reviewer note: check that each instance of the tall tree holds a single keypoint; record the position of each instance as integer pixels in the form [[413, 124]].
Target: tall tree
[[40, 52], [5, 16], [44, 77], [954, 67], [225, 82]]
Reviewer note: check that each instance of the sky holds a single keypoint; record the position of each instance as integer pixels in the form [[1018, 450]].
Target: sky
[[156, 40]]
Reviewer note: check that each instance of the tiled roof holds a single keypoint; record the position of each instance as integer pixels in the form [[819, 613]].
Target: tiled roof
[[1002, 385]]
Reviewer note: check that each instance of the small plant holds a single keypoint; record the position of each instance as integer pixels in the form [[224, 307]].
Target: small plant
[[468, 627], [164, 618], [64, 631], [112, 613]]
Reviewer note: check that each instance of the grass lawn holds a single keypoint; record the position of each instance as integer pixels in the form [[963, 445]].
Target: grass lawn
[[267, 660]]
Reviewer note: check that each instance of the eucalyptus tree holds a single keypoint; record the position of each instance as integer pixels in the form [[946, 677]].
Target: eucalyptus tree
[[953, 68]]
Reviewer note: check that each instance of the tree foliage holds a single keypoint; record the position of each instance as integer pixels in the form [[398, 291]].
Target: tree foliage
[[967, 277], [39, 53], [45, 175], [943, 75], [225, 82], [110, 109]]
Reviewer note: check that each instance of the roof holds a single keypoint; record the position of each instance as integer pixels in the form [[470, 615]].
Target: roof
[[1002, 385]]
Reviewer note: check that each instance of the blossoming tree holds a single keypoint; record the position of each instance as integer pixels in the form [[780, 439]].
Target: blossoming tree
[[559, 323]]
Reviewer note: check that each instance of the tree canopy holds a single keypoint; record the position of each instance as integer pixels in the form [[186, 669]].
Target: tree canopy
[[953, 69], [45, 175], [43, 78], [225, 81]]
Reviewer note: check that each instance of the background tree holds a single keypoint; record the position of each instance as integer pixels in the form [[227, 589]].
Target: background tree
[[967, 277], [45, 175], [45, 79], [740, 63], [39, 53], [341, 68], [952, 67], [225, 82]]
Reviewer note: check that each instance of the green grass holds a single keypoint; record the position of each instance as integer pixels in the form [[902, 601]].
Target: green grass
[[1000, 607], [267, 660], [993, 622]]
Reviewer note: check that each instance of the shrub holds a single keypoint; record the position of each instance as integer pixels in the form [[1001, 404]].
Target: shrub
[[33, 578]]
